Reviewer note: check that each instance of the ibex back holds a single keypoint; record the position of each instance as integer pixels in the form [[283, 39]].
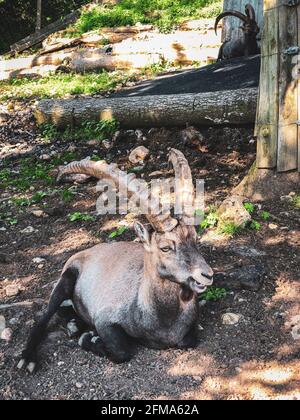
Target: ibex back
[[132, 293]]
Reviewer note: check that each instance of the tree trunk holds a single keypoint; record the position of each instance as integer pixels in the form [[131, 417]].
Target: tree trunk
[[38, 16], [213, 108], [38, 37]]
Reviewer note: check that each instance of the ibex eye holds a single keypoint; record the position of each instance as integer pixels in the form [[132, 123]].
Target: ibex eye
[[166, 249]]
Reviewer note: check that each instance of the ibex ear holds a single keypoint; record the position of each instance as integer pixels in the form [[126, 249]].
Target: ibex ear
[[142, 233]]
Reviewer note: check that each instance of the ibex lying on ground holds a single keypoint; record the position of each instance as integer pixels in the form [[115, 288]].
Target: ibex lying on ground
[[132, 293], [247, 44]]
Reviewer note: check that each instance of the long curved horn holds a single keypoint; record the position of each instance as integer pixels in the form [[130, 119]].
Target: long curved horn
[[185, 193], [250, 12], [127, 182], [230, 13]]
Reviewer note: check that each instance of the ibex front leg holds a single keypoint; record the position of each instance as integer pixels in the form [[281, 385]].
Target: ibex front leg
[[112, 342]]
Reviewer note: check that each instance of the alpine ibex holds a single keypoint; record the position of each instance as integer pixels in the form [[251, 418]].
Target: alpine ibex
[[246, 44], [133, 293]]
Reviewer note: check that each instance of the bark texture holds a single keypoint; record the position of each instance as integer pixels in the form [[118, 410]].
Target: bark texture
[[213, 108]]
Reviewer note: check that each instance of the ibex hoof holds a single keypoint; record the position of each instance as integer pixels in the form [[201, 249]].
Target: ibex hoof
[[29, 366]]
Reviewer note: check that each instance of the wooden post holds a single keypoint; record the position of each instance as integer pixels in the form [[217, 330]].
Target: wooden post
[[276, 126], [39, 16]]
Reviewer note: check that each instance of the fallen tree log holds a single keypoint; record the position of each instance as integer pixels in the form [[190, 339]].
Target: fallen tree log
[[210, 108], [38, 37], [83, 61], [39, 71]]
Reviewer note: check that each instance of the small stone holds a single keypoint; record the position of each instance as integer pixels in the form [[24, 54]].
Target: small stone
[[38, 213], [231, 319], [296, 332], [138, 155], [60, 364], [78, 385], [4, 117], [40, 266], [3, 229], [6, 334], [93, 143], [45, 157], [28, 230], [272, 226], [13, 321], [139, 134], [106, 144], [12, 290], [38, 260]]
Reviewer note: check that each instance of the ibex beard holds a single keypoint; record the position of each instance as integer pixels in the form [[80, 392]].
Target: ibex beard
[[125, 294]]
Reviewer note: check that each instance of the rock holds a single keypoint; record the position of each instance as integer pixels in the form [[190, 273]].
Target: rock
[[2, 323], [3, 229], [93, 143], [78, 385], [232, 210], [139, 134], [6, 334], [28, 230], [107, 144], [231, 319], [38, 213], [12, 290], [296, 332], [45, 157], [38, 260], [191, 135], [138, 155], [272, 226], [78, 178], [249, 277]]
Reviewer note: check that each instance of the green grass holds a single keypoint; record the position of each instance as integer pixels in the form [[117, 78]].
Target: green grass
[[165, 14], [88, 130], [81, 217], [118, 232], [296, 201], [59, 85], [229, 229], [214, 294]]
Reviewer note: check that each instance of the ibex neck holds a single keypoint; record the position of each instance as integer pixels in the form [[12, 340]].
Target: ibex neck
[[157, 293]]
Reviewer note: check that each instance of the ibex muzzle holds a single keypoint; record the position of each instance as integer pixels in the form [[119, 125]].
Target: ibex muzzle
[[133, 293]]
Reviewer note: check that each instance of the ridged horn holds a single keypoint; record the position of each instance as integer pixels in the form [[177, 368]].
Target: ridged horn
[[230, 13], [185, 192], [250, 12], [127, 182]]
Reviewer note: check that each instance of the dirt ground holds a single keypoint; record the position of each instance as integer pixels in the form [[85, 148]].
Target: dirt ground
[[257, 358]]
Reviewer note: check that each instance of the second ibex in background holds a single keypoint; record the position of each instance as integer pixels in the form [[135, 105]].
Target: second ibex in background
[[246, 44], [132, 293]]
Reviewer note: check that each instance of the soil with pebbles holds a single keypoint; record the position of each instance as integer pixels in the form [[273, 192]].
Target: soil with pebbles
[[255, 359]]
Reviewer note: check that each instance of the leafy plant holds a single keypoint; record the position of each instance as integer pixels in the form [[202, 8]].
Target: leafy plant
[[214, 294], [210, 219], [249, 207], [12, 221], [118, 232], [265, 215], [296, 201], [229, 228], [255, 225], [66, 195], [80, 217]]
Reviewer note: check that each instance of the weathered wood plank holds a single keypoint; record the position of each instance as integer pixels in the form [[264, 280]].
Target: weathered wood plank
[[267, 118], [38, 37], [288, 92]]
